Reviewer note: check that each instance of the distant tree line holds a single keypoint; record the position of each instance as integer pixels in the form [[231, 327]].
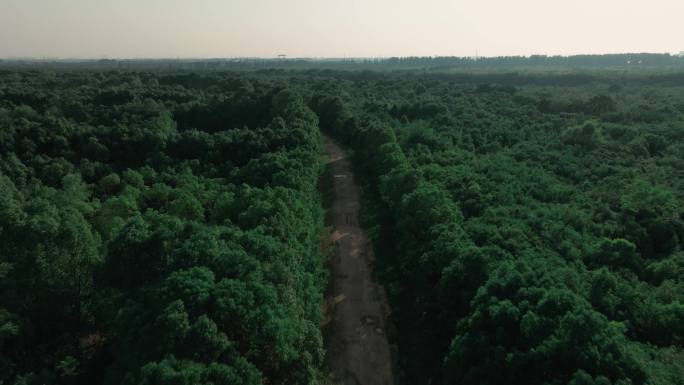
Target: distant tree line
[[438, 63]]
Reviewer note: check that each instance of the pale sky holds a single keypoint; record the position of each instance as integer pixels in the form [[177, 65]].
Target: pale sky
[[339, 28]]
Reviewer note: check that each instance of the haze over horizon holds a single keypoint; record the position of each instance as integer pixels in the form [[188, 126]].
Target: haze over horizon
[[326, 28]]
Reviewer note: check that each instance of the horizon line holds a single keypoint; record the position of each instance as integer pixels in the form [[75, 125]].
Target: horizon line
[[316, 58]]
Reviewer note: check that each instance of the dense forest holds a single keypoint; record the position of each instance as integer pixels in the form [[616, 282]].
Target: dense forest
[[158, 232], [525, 235], [164, 227]]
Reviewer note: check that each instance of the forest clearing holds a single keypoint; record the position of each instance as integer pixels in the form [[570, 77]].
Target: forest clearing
[[358, 347]]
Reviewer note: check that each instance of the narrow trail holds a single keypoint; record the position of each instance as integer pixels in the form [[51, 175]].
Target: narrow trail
[[358, 351]]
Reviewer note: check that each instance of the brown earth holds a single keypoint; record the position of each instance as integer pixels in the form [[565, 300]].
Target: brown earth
[[357, 349]]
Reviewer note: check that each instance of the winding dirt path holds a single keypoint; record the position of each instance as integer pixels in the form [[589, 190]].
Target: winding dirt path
[[358, 351]]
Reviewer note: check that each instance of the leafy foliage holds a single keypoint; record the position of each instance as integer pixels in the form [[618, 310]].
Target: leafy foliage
[[163, 226], [527, 235], [153, 233]]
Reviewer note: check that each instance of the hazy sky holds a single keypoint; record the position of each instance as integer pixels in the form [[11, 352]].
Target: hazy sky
[[327, 28]]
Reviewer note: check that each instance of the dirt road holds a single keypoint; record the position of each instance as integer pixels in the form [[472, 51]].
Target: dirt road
[[358, 352]]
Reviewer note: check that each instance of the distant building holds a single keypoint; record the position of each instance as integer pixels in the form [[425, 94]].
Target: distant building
[[681, 53]]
